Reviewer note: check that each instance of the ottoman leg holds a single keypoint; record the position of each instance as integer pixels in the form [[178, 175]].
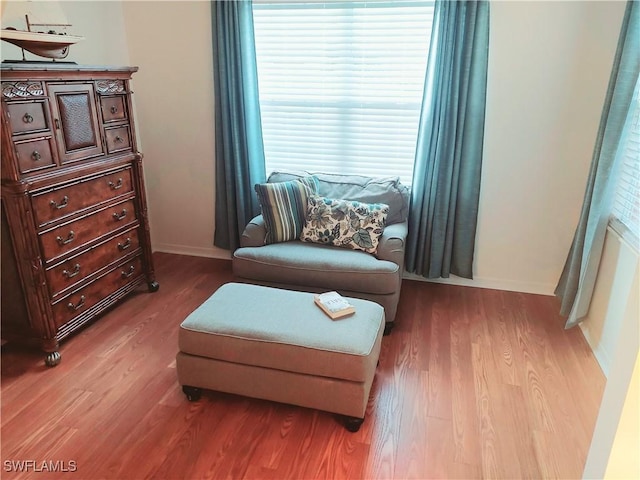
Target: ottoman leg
[[192, 393], [353, 423], [387, 328]]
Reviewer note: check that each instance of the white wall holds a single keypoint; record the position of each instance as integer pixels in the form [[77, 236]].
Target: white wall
[[612, 328], [624, 461], [549, 65], [548, 74], [171, 43]]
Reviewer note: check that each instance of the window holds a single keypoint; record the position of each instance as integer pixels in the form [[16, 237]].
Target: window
[[341, 84], [626, 206]]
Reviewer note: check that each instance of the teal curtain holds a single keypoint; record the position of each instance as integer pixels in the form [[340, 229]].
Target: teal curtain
[[238, 130], [446, 179], [576, 283]]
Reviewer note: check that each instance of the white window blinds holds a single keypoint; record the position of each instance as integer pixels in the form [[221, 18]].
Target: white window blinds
[[341, 84], [626, 206]]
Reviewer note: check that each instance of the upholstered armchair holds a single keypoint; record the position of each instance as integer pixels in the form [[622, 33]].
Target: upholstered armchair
[[374, 275]]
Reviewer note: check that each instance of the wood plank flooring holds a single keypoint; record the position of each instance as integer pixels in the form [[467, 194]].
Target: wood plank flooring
[[471, 383]]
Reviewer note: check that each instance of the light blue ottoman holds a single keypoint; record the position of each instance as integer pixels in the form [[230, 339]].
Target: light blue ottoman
[[277, 345]]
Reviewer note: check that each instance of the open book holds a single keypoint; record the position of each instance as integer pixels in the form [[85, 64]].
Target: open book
[[334, 304]]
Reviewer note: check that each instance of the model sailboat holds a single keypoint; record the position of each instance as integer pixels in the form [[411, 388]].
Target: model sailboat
[[38, 28]]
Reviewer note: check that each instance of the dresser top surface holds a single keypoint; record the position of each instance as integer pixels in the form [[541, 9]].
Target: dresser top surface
[[61, 71], [61, 67]]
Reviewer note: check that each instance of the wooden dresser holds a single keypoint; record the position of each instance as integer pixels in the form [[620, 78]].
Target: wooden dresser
[[75, 231]]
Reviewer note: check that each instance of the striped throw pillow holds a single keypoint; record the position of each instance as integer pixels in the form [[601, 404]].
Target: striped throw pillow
[[284, 207]]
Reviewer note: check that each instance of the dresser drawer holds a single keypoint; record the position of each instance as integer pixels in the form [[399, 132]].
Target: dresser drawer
[[73, 235], [118, 139], [65, 200], [27, 117], [79, 267], [78, 302], [113, 108], [34, 155]]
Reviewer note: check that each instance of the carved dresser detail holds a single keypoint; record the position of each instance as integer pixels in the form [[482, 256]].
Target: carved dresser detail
[[75, 231]]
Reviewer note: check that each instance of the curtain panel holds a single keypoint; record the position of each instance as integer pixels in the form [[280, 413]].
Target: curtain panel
[[578, 278], [238, 130], [446, 179]]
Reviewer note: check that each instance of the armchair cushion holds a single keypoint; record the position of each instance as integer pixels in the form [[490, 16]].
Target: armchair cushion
[[360, 188], [319, 266], [284, 207], [344, 223]]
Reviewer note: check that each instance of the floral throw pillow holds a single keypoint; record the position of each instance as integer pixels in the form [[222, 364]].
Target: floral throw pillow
[[344, 223]]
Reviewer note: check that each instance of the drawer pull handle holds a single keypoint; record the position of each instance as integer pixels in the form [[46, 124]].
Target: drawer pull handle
[[72, 273], [117, 185], [123, 246], [79, 305], [62, 204], [61, 241], [124, 274], [120, 216], [114, 109], [119, 139], [27, 118], [36, 156]]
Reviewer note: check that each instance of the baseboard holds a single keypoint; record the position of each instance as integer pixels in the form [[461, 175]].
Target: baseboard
[[208, 252], [479, 282], [490, 283]]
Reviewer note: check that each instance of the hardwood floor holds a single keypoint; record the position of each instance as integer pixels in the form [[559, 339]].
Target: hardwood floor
[[471, 383]]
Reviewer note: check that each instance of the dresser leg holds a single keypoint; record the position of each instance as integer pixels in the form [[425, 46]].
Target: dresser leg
[[52, 359], [154, 286], [50, 347]]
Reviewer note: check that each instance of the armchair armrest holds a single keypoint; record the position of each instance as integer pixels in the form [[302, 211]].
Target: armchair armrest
[[254, 233], [392, 243]]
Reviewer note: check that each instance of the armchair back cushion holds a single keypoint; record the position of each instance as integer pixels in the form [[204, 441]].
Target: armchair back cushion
[[388, 191]]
